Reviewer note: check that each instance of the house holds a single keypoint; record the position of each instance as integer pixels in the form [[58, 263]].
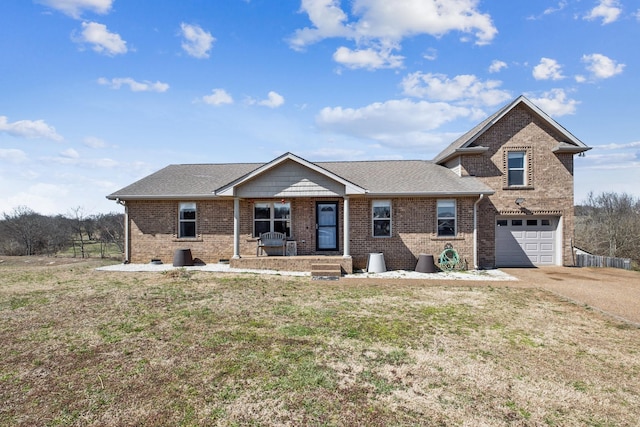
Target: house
[[501, 195]]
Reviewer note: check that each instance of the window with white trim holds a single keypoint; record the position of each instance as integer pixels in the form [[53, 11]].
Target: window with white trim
[[271, 216], [516, 168], [187, 220], [446, 211], [381, 217]]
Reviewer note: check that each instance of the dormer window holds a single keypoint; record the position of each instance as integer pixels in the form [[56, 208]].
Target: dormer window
[[516, 168]]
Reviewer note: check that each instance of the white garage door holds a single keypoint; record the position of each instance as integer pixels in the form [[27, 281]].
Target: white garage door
[[522, 242]]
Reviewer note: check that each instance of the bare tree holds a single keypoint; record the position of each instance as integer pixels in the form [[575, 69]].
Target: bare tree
[[609, 224], [24, 230], [77, 221], [110, 229]]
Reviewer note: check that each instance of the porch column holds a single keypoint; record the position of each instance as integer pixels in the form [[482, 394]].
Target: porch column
[[345, 243], [236, 228]]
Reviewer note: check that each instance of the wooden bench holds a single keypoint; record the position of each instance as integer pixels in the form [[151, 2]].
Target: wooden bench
[[272, 240]]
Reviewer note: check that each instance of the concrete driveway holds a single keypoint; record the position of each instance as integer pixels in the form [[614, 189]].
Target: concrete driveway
[[613, 291]]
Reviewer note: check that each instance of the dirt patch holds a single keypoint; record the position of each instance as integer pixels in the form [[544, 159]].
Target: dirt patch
[[38, 261]]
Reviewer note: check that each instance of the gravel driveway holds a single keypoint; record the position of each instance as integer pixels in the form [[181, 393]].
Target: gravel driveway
[[613, 291]]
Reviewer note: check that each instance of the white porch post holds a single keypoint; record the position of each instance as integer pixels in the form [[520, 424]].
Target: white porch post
[[236, 228], [345, 244]]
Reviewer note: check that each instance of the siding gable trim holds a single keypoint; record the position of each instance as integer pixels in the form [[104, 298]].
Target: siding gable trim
[[231, 188]]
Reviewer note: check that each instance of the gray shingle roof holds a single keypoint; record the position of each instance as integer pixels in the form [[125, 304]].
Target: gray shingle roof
[[391, 177]]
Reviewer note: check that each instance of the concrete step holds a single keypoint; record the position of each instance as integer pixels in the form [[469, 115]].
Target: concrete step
[[326, 271]]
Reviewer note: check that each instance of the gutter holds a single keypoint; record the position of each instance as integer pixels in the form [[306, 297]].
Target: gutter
[[475, 231]]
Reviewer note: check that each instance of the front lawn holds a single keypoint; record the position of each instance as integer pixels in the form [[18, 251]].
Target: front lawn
[[85, 347]]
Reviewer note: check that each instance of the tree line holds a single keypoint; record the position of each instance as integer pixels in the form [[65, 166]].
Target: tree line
[[26, 232], [608, 224]]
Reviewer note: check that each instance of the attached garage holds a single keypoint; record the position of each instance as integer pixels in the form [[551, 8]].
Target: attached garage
[[527, 242]]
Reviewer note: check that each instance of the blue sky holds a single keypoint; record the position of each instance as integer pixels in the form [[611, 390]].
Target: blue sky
[[95, 94]]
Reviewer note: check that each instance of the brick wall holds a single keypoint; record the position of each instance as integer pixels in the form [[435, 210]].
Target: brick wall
[[154, 231], [550, 177], [154, 227], [414, 232]]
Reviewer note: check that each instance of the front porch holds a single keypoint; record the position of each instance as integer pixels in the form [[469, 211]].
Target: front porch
[[291, 263]]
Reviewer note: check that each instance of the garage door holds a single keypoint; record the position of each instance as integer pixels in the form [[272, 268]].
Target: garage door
[[522, 242]]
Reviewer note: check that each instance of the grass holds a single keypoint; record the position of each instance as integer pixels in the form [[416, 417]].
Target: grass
[[82, 347]]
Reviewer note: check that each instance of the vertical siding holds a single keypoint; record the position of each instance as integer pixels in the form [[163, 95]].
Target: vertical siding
[[291, 179]]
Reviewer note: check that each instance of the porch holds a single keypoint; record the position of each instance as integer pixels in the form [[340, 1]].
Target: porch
[[292, 263]]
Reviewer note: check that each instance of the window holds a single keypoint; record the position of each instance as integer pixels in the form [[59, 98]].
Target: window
[[515, 166], [382, 218], [502, 223], [446, 218], [516, 223], [187, 220], [545, 222], [532, 222], [272, 217]]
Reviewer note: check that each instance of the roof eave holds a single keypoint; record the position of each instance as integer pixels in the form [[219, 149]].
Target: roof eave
[[162, 197], [433, 194], [463, 151], [571, 149]]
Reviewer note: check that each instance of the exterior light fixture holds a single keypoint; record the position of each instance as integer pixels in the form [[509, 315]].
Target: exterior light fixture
[[519, 201]]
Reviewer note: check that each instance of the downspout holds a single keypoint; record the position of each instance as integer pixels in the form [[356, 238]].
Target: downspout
[[126, 229], [475, 231]]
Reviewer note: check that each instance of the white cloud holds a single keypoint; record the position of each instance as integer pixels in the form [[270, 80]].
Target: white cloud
[[608, 10], [29, 129], [72, 157], [555, 103], [274, 100], [431, 54], [551, 10], [614, 146], [602, 67], [70, 153], [197, 42], [135, 86], [93, 142], [380, 25], [328, 20], [395, 20], [13, 155], [394, 122], [465, 89], [367, 58], [548, 69], [43, 198], [497, 66], [218, 97], [336, 153], [74, 8], [102, 40]]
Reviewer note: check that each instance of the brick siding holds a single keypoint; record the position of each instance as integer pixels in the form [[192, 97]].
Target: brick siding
[[154, 226], [550, 177]]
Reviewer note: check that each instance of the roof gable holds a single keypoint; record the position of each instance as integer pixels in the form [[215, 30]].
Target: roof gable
[[231, 188], [462, 145]]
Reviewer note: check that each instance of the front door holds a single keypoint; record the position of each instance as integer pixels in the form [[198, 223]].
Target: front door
[[327, 226]]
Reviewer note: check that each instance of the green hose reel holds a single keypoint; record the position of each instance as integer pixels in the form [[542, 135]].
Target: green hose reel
[[449, 259]]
